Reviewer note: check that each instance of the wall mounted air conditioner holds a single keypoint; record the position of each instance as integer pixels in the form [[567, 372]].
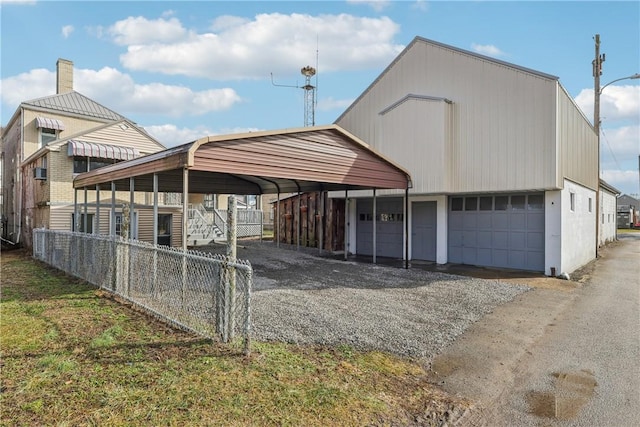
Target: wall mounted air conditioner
[[40, 173]]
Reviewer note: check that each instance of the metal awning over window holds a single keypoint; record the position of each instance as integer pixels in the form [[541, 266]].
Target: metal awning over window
[[101, 151], [46, 123]]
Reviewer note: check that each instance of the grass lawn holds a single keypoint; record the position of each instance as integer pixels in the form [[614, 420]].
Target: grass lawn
[[71, 355]]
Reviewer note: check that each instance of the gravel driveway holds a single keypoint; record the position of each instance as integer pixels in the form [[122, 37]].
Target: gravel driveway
[[302, 298]]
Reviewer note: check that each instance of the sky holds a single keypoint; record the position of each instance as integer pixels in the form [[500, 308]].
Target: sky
[[188, 69]]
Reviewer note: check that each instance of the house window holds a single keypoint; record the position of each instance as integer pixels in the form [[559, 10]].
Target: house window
[[572, 201], [164, 229], [47, 136], [81, 223], [589, 204], [86, 164]]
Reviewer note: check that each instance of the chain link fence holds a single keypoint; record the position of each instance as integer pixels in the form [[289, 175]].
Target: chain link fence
[[209, 294]]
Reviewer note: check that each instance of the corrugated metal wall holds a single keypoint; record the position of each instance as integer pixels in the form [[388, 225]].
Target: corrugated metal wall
[[577, 144], [422, 125], [503, 122]]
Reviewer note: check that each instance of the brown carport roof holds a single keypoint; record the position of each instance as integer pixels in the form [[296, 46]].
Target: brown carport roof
[[319, 158]]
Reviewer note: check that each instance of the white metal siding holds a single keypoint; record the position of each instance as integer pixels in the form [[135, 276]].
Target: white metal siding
[[608, 209], [421, 125], [503, 124], [578, 144]]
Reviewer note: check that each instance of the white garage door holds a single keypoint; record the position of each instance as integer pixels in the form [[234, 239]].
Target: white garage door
[[389, 227], [497, 231]]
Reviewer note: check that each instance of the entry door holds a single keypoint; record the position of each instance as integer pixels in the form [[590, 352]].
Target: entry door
[[423, 231]]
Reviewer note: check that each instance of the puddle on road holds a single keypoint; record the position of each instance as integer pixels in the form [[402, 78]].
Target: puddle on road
[[571, 391]]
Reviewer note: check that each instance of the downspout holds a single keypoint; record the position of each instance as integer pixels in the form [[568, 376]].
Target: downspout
[[19, 178]]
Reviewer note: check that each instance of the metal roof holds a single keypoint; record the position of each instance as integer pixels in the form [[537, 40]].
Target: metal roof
[[74, 103], [319, 158]]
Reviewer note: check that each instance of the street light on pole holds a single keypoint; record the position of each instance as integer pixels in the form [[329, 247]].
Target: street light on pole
[[597, 91]]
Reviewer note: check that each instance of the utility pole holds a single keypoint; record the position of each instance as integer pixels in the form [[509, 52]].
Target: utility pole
[[597, 72]]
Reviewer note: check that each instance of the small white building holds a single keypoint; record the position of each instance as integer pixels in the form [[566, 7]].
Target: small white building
[[503, 162], [608, 213]]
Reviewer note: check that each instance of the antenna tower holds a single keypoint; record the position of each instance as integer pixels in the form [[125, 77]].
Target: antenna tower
[[309, 96]]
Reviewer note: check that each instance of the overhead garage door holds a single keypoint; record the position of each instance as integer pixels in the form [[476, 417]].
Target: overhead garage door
[[497, 231], [389, 227], [423, 231]]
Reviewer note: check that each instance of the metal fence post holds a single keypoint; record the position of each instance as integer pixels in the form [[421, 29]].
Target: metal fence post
[[230, 283], [247, 319]]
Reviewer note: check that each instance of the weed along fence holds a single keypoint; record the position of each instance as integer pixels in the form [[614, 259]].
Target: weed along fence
[[209, 294]]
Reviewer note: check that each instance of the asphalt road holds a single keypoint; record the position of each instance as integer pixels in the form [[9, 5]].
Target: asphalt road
[[584, 368]]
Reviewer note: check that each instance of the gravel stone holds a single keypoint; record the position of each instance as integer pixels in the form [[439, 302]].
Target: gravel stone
[[300, 297]]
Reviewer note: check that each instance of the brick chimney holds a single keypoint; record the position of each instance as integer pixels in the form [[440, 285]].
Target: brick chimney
[[64, 69]]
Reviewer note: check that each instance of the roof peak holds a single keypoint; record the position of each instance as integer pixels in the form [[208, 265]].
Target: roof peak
[[74, 102]]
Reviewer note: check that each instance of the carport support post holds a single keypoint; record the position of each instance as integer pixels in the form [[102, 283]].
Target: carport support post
[[278, 219], [132, 201], [97, 210], [320, 232], [74, 226], [155, 233], [406, 228], [112, 218], [298, 224], [346, 223], [86, 211], [375, 246]]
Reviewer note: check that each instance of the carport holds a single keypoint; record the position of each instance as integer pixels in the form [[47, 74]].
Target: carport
[[319, 158]]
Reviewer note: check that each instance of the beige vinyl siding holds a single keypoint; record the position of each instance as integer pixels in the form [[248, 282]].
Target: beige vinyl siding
[[503, 119], [145, 225], [577, 144], [60, 219], [72, 125], [122, 134]]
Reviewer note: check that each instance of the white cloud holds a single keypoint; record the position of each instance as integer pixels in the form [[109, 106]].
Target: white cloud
[[487, 49], [377, 5], [67, 30], [170, 135], [18, 2], [140, 30], [624, 141], [420, 5], [26, 86], [624, 180], [119, 92], [328, 104], [250, 49], [616, 103]]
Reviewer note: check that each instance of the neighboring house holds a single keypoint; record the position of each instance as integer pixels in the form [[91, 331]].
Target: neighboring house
[[628, 215], [608, 209], [47, 142], [504, 164]]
